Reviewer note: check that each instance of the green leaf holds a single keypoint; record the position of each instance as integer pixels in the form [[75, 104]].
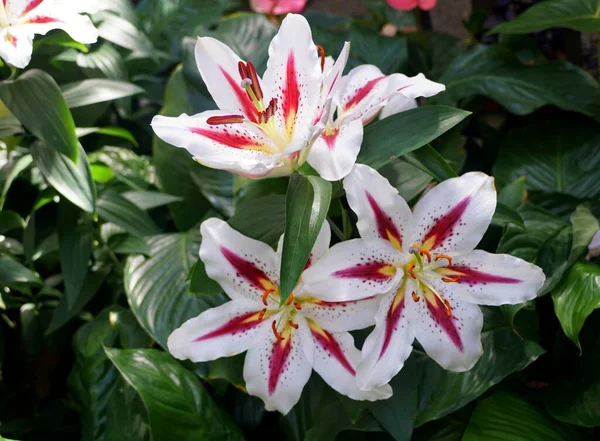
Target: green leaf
[[431, 162], [307, 203], [106, 61], [505, 417], [493, 71], [178, 406], [405, 132], [562, 158], [200, 283], [409, 180], [441, 392], [114, 208], [580, 15], [147, 280], [126, 416], [121, 32], [101, 173], [127, 244], [75, 236], [11, 220], [505, 215], [390, 54], [117, 132], [10, 171], [147, 200], [514, 194], [93, 377], [576, 297], [72, 181], [87, 92], [12, 272], [35, 99], [262, 218]]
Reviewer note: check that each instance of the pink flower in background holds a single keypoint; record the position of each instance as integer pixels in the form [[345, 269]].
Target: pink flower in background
[[277, 7], [407, 5]]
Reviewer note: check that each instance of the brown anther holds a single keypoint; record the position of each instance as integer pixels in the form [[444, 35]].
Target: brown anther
[[243, 70], [415, 297], [227, 119], [255, 82], [298, 306], [410, 269], [278, 336], [426, 254], [448, 308], [322, 55], [261, 314], [292, 324], [451, 279], [266, 294], [444, 256], [290, 299]]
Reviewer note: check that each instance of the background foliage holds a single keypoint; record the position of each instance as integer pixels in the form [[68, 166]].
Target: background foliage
[[99, 228]]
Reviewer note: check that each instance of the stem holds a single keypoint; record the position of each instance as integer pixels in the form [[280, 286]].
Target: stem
[[336, 230]]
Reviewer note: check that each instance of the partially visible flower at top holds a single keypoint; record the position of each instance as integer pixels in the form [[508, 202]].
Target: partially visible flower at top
[[20, 20], [594, 246], [263, 124], [277, 7], [425, 265], [284, 342], [362, 95], [407, 5]]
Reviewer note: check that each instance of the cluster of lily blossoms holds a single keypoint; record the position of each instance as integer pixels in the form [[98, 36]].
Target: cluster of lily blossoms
[[414, 275]]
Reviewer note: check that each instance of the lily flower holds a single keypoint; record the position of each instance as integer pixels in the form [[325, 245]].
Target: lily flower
[[362, 95], [262, 124], [277, 7], [20, 20], [425, 266], [284, 342]]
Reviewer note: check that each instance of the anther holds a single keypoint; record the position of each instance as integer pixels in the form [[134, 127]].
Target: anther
[[444, 256], [415, 297], [426, 254], [448, 308], [266, 294], [255, 82], [243, 70], [451, 279], [410, 269], [227, 119], [278, 336], [298, 306], [261, 314], [322, 55], [290, 299], [292, 324]]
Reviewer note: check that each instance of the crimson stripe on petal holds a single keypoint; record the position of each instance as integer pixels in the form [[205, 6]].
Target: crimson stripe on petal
[[444, 226], [470, 276], [235, 326], [30, 6], [248, 270], [362, 93], [332, 347], [233, 140], [291, 93], [438, 312], [391, 321], [41, 19], [385, 226], [279, 355], [247, 105], [366, 271]]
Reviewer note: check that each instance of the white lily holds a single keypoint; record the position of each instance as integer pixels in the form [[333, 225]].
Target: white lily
[[425, 265], [362, 95], [262, 124], [20, 20], [284, 343]]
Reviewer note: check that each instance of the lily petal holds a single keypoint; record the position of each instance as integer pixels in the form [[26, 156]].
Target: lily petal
[[218, 332], [16, 46], [362, 94], [277, 370], [332, 79], [389, 345], [320, 247], [452, 339], [397, 104], [382, 212], [493, 279], [414, 87], [452, 217], [354, 270], [341, 316], [240, 148], [336, 359], [245, 268], [294, 73], [334, 153]]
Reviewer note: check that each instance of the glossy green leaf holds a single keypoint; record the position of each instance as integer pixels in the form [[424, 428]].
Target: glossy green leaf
[[117, 132], [126, 416], [580, 15], [200, 283], [97, 90], [410, 181], [505, 215], [505, 417], [10, 220], [148, 280], [106, 61], [127, 244], [262, 218], [576, 297], [114, 208], [563, 158], [307, 203], [147, 200], [431, 162], [389, 54], [177, 403], [35, 99], [514, 194], [72, 181], [405, 132], [93, 377], [10, 171], [75, 236], [495, 72], [123, 33], [101, 173], [12, 272]]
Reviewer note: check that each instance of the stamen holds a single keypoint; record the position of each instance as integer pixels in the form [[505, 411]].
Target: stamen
[[410, 269], [243, 70], [261, 314], [255, 83], [298, 306], [266, 294], [278, 336], [415, 297], [444, 256], [227, 119], [245, 83], [426, 254], [451, 279], [448, 307], [322, 55], [292, 324], [290, 299]]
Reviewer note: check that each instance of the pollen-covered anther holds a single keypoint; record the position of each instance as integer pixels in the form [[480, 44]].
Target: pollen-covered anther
[[248, 72], [451, 279], [411, 270], [266, 114], [266, 294], [292, 324], [226, 119], [448, 307], [322, 55], [261, 314], [298, 306], [426, 254], [444, 256], [290, 299], [277, 335], [415, 297]]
